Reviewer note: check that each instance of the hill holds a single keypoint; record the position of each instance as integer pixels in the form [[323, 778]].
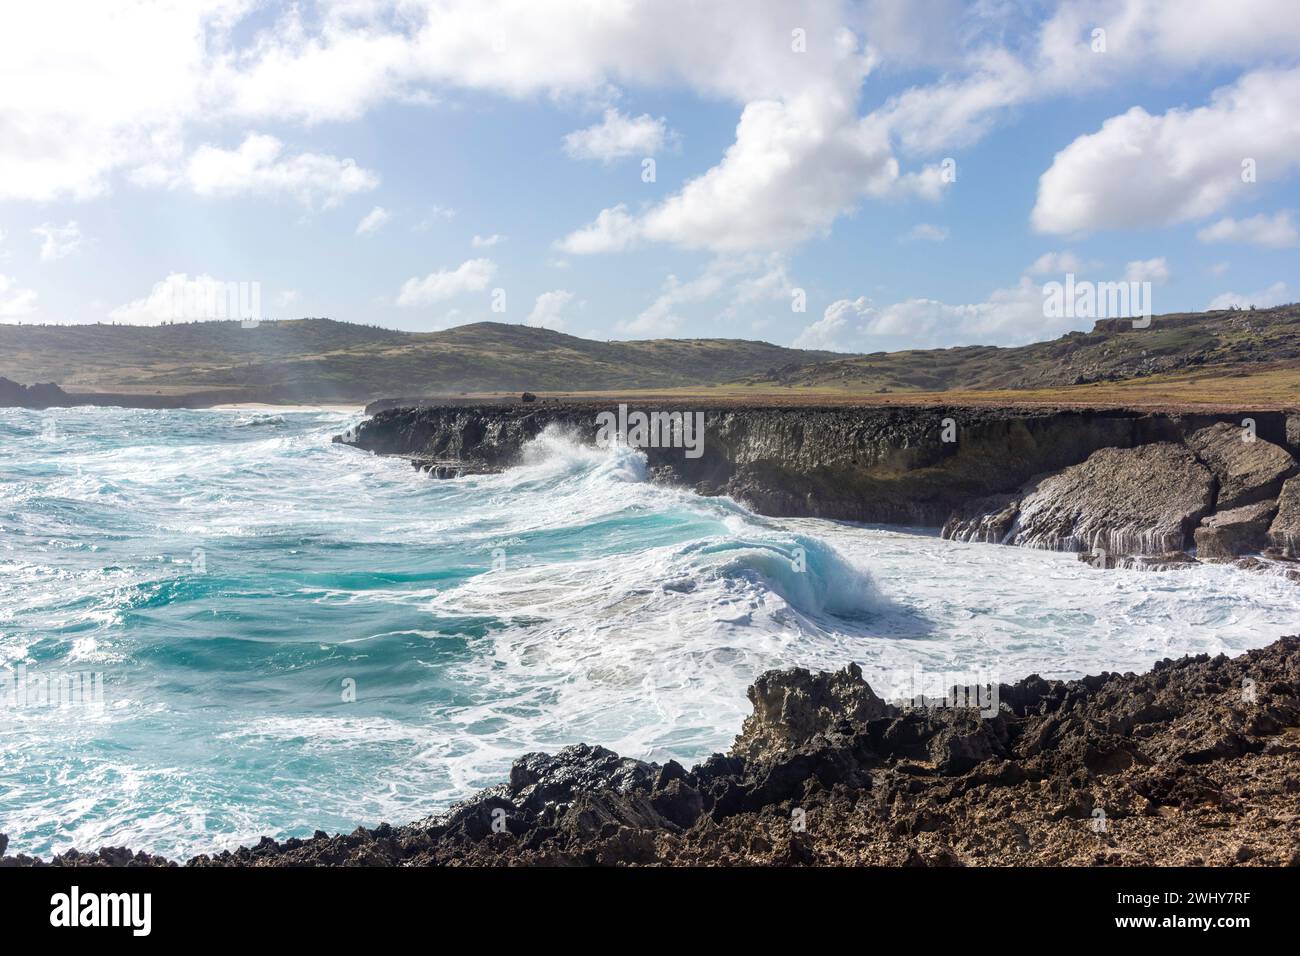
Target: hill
[[321, 359], [1193, 358], [1114, 351]]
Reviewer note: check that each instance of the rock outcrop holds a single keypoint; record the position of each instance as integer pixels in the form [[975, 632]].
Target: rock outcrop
[[1248, 469], [1226, 535], [793, 706], [906, 465], [1142, 500], [1195, 762]]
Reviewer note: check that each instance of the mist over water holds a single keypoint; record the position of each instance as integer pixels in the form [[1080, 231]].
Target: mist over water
[[229, 572]]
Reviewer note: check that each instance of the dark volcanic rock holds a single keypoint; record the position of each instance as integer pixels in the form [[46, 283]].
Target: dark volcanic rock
[[1247, 471], [864, 464], [1226, 535], [1124, 501], [792, 706], [41, 395]]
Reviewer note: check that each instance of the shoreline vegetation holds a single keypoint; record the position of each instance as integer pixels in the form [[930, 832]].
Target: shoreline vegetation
[[1196, 762]]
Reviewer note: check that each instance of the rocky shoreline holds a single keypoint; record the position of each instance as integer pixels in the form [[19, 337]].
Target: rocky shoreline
[[1196, 762], [1126, 488]]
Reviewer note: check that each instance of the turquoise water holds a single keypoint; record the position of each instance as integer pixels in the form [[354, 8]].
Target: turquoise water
[[296, 635]]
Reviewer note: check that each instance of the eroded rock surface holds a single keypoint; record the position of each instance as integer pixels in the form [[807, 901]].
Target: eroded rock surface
[[1226, 535], [1246, 471], [1143, 500]]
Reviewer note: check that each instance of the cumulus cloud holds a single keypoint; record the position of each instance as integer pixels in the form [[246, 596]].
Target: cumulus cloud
[[617, 136], [1141, 171], [257, 167], [58, 241], [1276, 294], [473, 275], [15, 302], [730, 282], [1275, 232], [612, 230], [373, 221], [486, 242], [548, 310], [1155, 271]]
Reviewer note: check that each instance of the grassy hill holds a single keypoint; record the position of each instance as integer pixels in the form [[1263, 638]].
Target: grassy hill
[[320, 359], [1114, 351], [1194, 357]]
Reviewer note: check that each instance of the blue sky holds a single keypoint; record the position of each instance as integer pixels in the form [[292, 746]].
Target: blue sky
[[144, 145]]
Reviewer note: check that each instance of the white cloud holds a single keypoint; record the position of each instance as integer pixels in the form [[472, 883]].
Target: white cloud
[[926, 232], [1143, 171], [548, 310], [258, 168], [613, 230], [1276, 231], [58, 241], [794, 168], [1059, 263], [1276, 294], [373, 221], [486, 242], [992, 77], [733, 282], [1219, 268], [1155, 271], [617, 136], [836, 326], [473, 275], [1013, 315], [15, 302]]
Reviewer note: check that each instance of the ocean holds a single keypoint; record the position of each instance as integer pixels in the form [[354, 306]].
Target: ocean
[[293, 635]]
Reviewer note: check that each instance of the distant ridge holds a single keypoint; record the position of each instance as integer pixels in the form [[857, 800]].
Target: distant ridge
[[323, 359]]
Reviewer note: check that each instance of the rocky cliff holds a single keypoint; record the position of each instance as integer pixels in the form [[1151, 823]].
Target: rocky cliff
[[1123, 482], [1196, 762]]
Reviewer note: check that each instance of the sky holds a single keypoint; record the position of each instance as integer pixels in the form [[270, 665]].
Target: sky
[[853, 176]]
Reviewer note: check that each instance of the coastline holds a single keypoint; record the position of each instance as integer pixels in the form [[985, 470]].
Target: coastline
[[1196, 762]]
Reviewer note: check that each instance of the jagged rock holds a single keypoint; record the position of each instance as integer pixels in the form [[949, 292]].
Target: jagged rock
[[985, 519], [1293, 433], [1284, 532], [791, 706], [1226, 534], [1142, 500], [1247, 471]]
